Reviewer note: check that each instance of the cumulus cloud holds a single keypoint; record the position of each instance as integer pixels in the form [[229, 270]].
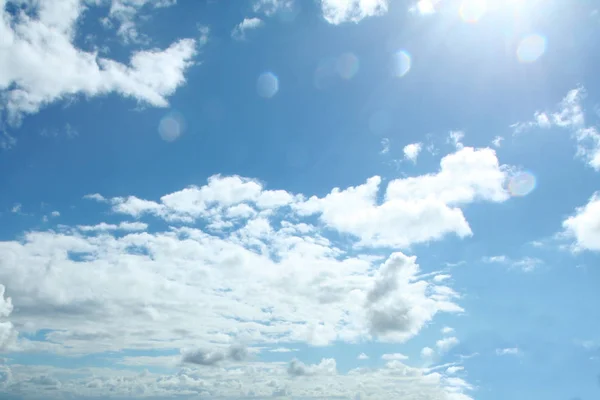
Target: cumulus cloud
[[272, 7], [239, 32], [124, 13], [362, 356], [411, 151], [40, 63], [398, 305], [584, 225], [444, 345], [7, 331], [416, 209], [340, 11], [327, 366], [214, 357]]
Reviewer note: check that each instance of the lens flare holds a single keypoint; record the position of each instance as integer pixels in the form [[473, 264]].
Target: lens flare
[[531, 48], [402, 63], [267, 85], [347, 65], [521, 184], [472, 10], [171, 127]]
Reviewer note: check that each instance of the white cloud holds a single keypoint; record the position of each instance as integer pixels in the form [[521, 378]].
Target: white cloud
[[340, 11], [385, 146], [525, 264], [441, 278], [362, 356], [272, 7], [497, 141], [40, 63], [455, 137], [7, 332], [282, 350], [508, 351], [214, 357], [427, 352], [447, 330], [411, 151], [394, 356], [445, 344], [454, 369], [123, 226], [239, 32], [327, 366], [125, 13], [584, 225], [425, 7], [55, 214], [16, 208], [570, 115], [416, 209]]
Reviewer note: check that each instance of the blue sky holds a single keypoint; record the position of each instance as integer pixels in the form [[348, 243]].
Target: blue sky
[[356, 199]]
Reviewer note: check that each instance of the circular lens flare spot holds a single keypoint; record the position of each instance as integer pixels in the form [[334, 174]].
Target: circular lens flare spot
[[531, 48], [267, 85], [171, 127], [402, 63], [472, 10], [521, 184], [347, 65]]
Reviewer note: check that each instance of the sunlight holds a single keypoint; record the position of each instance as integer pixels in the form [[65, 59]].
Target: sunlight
[[472, 10]]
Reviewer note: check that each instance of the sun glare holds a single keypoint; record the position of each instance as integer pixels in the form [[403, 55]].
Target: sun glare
[[472, 10]]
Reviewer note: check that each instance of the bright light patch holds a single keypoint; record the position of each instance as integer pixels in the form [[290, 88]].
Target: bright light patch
[[521, 184], [267, 85], [171, 127], [425, 7], [472, 10], [531, 48], [347, 65], [402, 63]]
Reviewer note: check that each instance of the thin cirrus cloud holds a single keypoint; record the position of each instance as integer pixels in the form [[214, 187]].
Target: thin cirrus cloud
[[248, 24]]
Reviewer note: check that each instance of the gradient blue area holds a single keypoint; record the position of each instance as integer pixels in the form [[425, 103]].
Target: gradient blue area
[[309, 139]]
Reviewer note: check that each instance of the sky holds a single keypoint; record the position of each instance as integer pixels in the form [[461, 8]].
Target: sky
[[300, 199]]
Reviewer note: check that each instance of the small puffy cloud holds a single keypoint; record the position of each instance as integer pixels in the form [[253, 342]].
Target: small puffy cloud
[[16, 208], [282, 350], [454, 369], [508, 351], [445, 344], [427, 352], [456, 137], [584, 225], [385, 146], [447, 330], [362, 356], [327, 366], [55, 214], [411, 151], [214, 357], [239, 32], [497, 141], [441, 278], [394, 356], [339, 11]]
